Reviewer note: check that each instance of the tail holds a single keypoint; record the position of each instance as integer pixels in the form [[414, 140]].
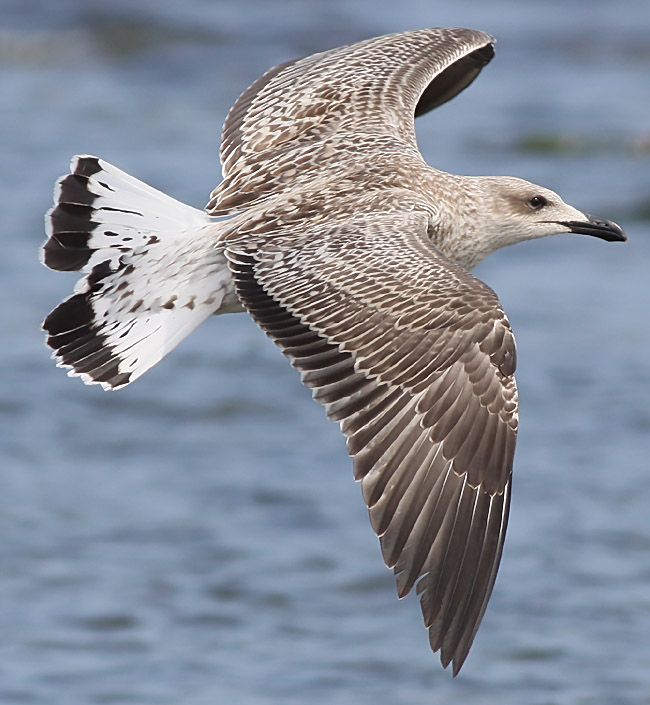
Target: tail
[[153, 273]]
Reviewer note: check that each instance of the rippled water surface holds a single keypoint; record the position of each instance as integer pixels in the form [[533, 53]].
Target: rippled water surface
[[197, 538]]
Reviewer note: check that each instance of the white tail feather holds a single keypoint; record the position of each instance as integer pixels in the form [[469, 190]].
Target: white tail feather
[[154, 273]]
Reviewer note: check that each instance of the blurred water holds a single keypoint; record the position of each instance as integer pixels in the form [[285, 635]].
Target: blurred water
[[197, 538]]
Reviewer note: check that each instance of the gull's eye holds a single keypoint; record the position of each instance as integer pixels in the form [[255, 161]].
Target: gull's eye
[[537, 202]]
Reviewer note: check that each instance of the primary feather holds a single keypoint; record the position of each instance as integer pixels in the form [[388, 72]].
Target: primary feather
[[352, 254]]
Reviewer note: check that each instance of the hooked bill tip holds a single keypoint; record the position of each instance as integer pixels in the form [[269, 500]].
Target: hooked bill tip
[[598, 227]]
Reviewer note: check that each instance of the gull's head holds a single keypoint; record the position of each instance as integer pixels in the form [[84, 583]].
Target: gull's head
[[506, 210]]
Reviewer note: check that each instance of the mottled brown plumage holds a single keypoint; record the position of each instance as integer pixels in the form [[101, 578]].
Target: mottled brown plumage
[[415, 358], [340, 109], [352, 254]]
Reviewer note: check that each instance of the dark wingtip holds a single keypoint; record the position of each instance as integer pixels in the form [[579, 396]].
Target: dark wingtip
[[454, 79], [484, 55]]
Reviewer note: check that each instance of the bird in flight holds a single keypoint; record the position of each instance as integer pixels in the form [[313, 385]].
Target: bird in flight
[[353, 256]]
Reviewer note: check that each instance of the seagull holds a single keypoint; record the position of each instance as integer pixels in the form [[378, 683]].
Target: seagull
[[354, 256]]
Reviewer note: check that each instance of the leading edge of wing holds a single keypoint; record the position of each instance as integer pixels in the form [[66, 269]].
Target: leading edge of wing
[[424, 392], [378, 84]]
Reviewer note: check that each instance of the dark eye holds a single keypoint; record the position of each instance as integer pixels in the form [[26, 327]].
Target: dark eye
[[537, 202]]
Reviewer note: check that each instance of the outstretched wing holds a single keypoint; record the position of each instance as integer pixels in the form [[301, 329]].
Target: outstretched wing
[[415, 358], [374, 87]]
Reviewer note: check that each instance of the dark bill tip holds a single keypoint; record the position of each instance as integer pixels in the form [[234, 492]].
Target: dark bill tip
[[598, 227]]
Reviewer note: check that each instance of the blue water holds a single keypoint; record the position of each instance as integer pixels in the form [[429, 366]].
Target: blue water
[[197, 538]]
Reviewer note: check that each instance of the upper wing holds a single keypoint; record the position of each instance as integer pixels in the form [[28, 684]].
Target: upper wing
[[415, 358], [376, 86]]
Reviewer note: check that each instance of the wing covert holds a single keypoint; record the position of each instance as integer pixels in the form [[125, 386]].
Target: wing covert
[[376, 86], [414, 358]]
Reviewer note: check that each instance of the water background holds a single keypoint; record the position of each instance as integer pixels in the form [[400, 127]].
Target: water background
[[196, 539]]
